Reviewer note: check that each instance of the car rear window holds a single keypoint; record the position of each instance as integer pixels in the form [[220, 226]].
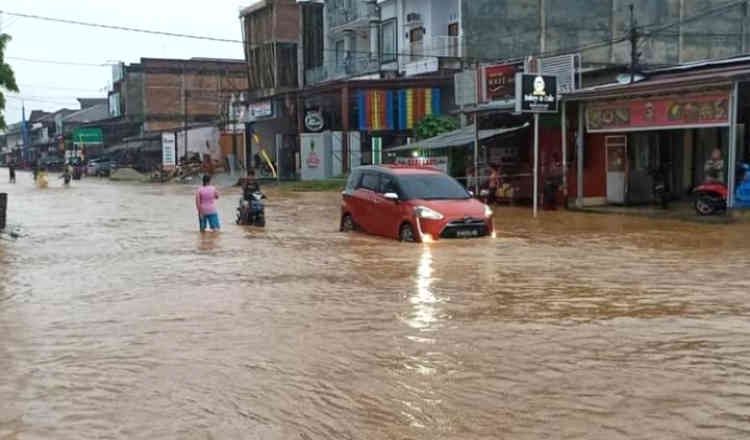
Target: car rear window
[[431, 187]]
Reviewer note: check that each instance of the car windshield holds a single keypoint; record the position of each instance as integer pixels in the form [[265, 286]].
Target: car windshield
[[431, 187]]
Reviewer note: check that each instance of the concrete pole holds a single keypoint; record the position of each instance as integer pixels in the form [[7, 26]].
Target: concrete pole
[[733, 109], [579, 155], [536, 164], [564, 129]]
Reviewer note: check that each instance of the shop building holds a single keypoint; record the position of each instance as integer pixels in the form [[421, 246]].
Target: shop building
[[623, 135]]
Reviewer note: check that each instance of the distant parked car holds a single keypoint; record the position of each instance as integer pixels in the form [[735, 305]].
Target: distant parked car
[[106, 167], [52, 163], [92, 168]]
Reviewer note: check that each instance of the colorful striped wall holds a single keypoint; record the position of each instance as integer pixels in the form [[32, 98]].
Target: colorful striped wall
[[382, 110]]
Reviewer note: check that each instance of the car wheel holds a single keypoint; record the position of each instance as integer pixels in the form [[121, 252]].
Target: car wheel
[[406, 234], [347, 224]]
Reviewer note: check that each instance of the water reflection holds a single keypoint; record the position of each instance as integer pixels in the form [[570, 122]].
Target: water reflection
[[425, 311]]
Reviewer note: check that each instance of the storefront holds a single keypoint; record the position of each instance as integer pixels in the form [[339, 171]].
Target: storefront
[[356, 121], [674, 131]]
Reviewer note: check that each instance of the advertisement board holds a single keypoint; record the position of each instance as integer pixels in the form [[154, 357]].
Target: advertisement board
[[438, 162]]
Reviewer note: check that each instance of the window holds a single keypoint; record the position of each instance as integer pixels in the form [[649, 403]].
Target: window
[[340, 55], [353, 181], [453, 30], [388, 184], [432, 187], [370, 181], [388, 36], [416, 35]]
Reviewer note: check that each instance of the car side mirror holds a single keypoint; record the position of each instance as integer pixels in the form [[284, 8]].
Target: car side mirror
[[391, 196]]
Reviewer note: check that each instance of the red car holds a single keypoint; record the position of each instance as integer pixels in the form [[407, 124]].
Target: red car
[[412, 204]]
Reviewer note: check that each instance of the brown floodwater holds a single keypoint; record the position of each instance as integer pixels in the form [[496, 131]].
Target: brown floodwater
[[118, 320]]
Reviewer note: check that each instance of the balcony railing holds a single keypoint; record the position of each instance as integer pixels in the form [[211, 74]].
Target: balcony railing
[[353, 65], [441, 46], [346, 12]]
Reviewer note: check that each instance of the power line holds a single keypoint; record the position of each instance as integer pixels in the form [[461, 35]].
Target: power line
[[60, 63], [121, 28]]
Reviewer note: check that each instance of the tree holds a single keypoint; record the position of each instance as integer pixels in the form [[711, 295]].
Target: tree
[[7, 78], [432, 126]]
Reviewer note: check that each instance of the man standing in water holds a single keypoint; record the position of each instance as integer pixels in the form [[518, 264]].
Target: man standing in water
[[714, 167], [205, 203], [12, 172]]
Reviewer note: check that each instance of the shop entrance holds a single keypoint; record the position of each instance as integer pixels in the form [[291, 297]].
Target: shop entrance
[[676, 157]]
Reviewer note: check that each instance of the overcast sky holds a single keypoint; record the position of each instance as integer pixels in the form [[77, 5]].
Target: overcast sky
[[49, 86]]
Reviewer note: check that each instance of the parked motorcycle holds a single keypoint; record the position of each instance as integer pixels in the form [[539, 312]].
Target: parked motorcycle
[[659, 188], [711, 197], [252, 210]]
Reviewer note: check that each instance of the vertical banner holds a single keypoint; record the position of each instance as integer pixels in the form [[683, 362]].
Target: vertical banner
[[377, 151], [168, 147]]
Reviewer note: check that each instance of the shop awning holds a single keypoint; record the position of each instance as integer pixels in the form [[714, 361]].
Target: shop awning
[[457, 138]]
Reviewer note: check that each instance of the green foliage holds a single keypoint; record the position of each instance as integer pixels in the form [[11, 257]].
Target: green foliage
[[7, 78], [432, 126]]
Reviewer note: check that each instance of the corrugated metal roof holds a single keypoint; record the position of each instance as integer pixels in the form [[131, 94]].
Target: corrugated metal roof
[[457, 138], [717, 77]]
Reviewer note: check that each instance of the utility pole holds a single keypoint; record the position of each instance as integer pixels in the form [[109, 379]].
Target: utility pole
[[185, 120], [635, 36]]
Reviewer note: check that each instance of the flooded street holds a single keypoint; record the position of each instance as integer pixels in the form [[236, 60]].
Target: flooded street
[[118, 320]]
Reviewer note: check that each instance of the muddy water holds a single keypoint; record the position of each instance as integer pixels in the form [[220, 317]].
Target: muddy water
[[117, 320]]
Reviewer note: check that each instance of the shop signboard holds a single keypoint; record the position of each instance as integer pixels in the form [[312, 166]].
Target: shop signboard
[[314, 121], [168, 145], [259, 110], [499, 82], [427, 65], [658, 113], [536, 93]]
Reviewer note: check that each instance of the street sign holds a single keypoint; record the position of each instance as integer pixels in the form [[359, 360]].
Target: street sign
[[88, 136], [168, 146], [536, 93]]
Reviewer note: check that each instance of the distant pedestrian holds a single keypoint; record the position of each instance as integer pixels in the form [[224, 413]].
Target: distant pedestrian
[[205, 203], [12, 172]]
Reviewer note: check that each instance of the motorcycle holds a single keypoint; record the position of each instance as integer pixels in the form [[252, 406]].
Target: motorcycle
[[252, 210], [659, 188], [711, 197]]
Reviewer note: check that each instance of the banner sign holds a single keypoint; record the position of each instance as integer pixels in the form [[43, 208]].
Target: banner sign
[[536, 93], [168, 145], [654, 113], [499, 82]]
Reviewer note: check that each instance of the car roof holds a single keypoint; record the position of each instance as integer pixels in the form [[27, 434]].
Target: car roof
[[400, 170]]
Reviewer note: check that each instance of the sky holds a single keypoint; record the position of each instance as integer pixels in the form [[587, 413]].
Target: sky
[[50, 86]]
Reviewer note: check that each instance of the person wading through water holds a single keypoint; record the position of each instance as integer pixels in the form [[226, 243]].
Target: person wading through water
[[205, 203], [12, 172]]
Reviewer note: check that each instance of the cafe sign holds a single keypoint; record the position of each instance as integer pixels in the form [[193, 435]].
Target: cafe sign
[[658, 113], [536, 93], [499, 82]]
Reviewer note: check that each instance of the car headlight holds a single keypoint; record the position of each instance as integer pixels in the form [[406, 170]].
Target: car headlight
[[487, 211], [425, 212]]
